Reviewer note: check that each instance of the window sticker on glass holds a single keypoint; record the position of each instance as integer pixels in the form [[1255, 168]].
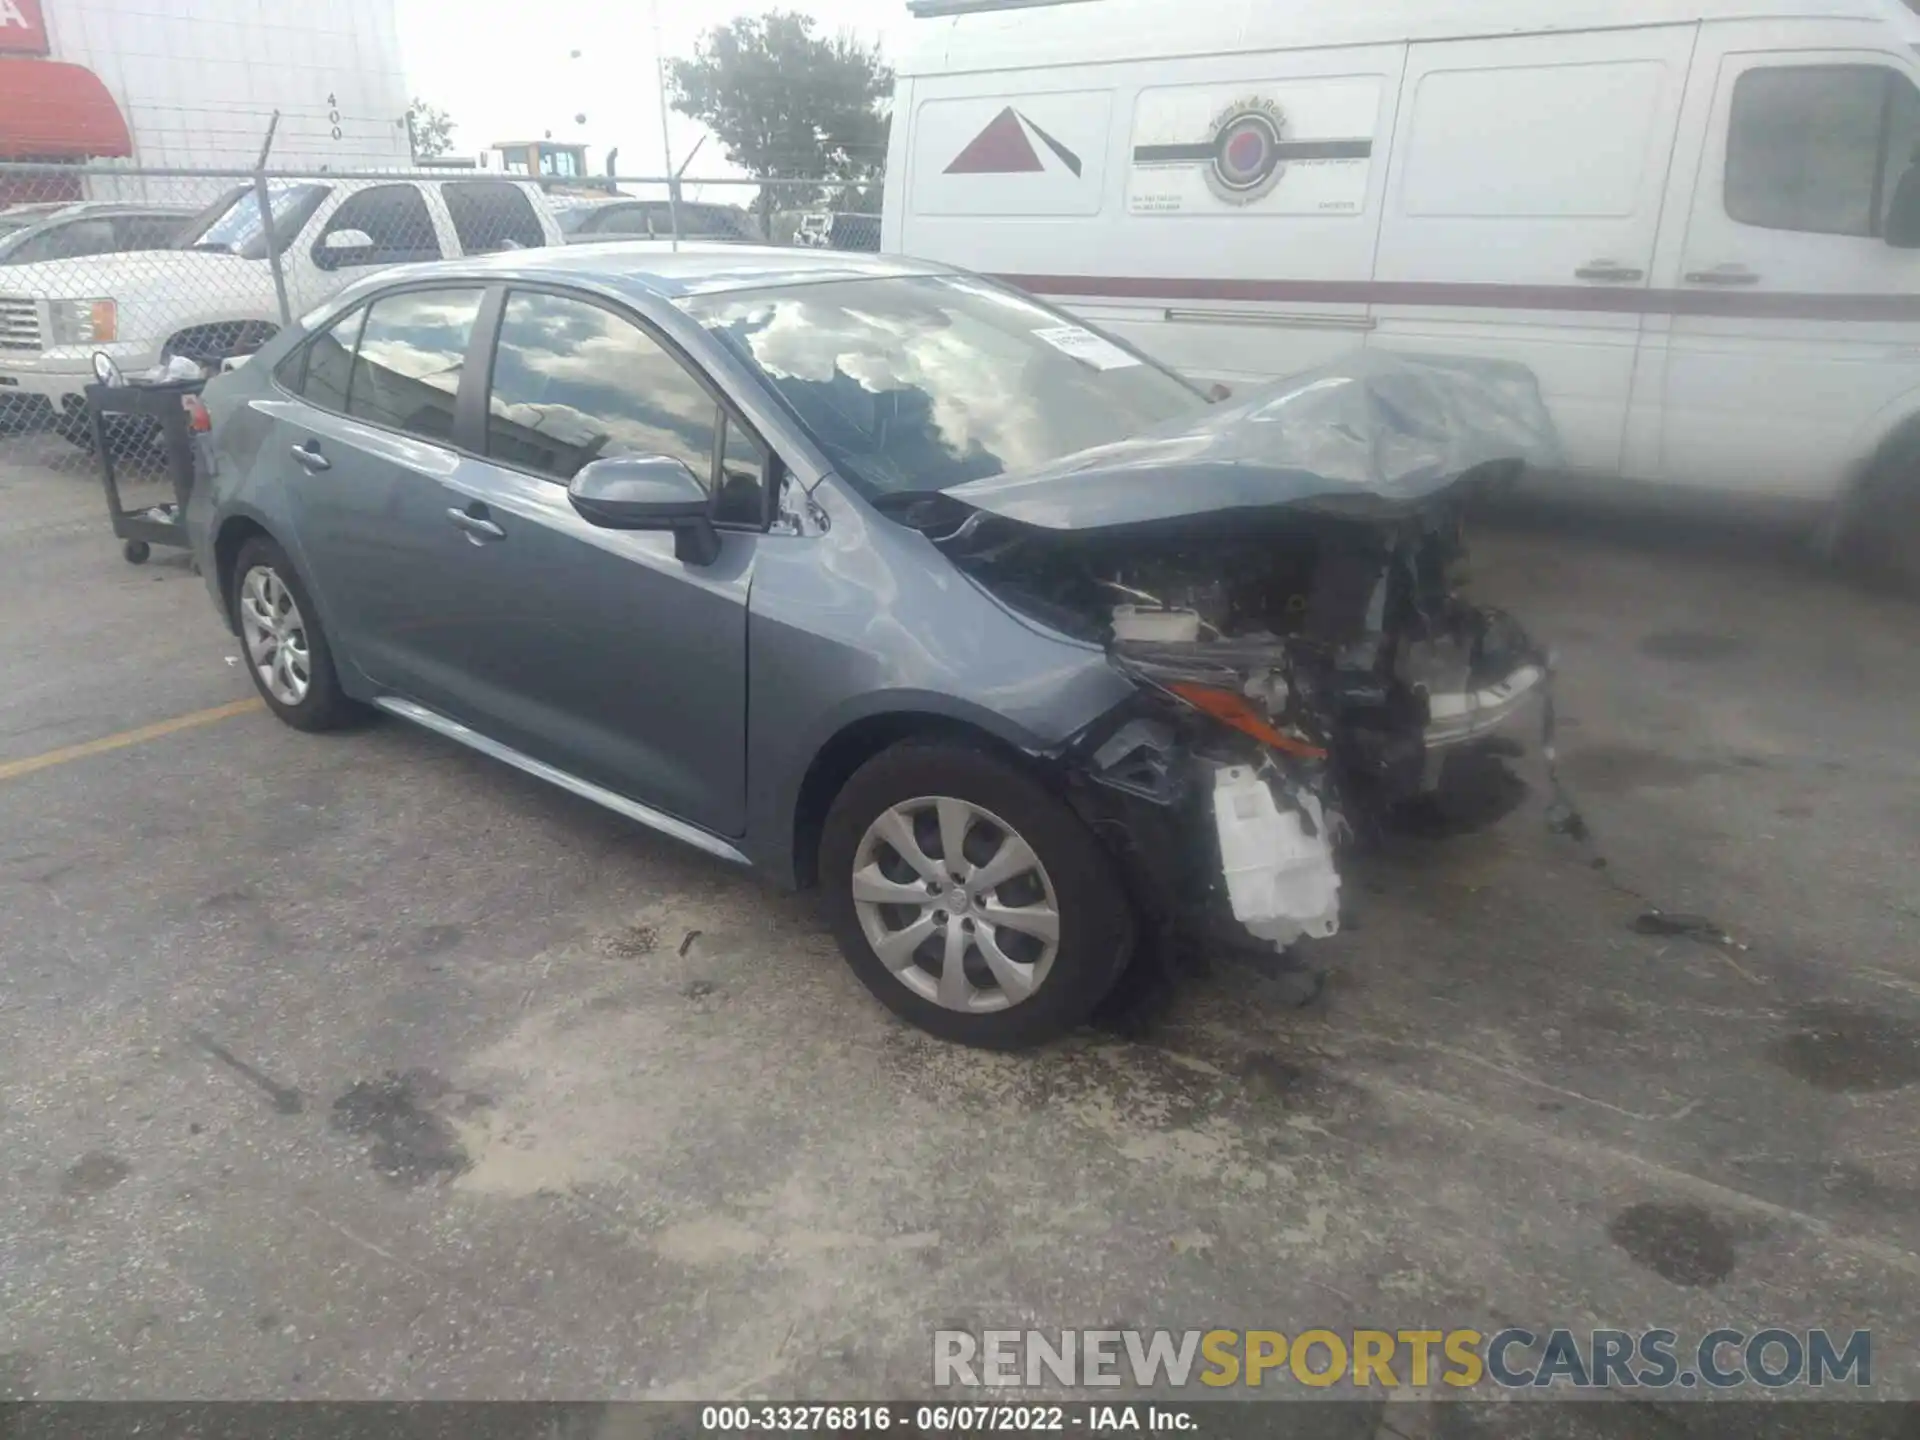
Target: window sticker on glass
[[1087, 347]]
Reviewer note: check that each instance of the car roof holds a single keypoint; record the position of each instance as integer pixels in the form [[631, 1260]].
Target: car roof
[[658, 268]]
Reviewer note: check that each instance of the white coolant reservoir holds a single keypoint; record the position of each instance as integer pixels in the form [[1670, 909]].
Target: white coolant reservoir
[[1143, 622], [1278, 862]]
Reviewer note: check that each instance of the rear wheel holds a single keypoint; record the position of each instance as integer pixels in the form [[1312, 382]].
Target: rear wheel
[[286, 650], [969, 900]]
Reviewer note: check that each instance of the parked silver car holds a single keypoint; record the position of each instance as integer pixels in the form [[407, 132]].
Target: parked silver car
[[876, 574], [67, 230]]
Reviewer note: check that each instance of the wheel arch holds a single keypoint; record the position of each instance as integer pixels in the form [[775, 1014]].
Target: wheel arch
[[857, 742], [234, 532]]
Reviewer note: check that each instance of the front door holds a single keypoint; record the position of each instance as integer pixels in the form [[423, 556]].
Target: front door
[[599, 651], [1795, 325]]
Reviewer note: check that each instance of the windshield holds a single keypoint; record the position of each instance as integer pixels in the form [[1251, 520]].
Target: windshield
[[921, 383], [232, 225]]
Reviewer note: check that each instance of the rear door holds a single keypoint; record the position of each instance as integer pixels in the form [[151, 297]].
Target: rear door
[[1795, 325], [597, 650], [364, 456], [1523, 208]]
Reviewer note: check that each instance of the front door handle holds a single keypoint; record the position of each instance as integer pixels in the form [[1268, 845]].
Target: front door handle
[[1723, 275], [1608, 270], [479, 528], [310, 458]]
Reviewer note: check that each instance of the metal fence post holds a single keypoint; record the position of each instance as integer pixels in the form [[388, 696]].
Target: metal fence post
[[264, 197]]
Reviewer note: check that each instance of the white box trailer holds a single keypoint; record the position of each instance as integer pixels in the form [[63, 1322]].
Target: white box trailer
[[1689, 218]]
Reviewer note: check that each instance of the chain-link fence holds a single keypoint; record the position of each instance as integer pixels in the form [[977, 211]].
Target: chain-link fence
[[171, 272]]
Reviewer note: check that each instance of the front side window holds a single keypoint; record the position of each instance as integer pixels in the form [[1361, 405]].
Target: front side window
[[573, 382], [394, 217], [916, 383], [235, 225], [412, 349], [1819, 148], [491, 215]]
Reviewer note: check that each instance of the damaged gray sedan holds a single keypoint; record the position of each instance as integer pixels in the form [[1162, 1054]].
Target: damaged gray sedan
[[879, 576]]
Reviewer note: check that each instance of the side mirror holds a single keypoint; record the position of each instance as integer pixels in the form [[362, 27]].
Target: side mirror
[[649, 492], [1903, 214]]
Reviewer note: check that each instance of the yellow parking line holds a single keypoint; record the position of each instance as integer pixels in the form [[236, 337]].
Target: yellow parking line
[[13, 769]]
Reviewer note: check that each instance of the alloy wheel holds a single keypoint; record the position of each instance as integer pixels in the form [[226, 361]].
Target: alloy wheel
[[956, 904], [276, 636]]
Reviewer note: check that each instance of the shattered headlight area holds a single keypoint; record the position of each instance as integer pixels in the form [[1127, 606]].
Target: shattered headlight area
[[1305, 678]]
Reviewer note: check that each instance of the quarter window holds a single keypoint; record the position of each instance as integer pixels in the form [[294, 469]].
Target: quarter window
[[319, 370], [1819, 148], [742, 499], [407, 372], [573, 382]]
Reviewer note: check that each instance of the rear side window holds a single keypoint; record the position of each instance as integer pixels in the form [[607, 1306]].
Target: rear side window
[[393, 217], [573, 382], [492, 215], [1819, 148], [412, 348]]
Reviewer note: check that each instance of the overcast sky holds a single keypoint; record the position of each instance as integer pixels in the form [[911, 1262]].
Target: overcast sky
[[504, 69]]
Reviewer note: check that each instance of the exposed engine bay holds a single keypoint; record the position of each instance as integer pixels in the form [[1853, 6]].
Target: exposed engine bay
[[1302, 674], [1281, 581]]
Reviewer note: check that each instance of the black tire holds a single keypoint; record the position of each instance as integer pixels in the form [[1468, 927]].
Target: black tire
[[135, 552], [324, 706], [1878, 527], [1096, 921]]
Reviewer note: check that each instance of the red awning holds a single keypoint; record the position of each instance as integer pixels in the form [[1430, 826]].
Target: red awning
[[50, 110]]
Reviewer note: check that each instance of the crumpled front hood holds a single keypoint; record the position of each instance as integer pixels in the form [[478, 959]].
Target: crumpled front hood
[[1377, 430]]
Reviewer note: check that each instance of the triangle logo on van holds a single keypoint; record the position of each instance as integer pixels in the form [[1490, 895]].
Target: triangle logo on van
[[1005, 147]]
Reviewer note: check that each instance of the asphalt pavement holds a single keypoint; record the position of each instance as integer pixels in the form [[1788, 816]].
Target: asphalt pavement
[[359, 1065]]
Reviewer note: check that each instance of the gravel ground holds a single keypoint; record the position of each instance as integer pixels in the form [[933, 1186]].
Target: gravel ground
[[360, 1066]]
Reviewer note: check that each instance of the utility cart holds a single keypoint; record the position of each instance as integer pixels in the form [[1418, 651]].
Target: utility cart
[[166, 413]]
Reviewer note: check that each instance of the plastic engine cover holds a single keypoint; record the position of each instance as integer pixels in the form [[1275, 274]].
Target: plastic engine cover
[[1280, 878]]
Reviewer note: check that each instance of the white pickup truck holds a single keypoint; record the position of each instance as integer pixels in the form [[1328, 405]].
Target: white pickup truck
[[213, 297]]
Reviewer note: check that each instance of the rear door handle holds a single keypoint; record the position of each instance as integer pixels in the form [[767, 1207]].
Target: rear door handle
[[1723, 275], [479, 528], [1608, 270], [310, 458]]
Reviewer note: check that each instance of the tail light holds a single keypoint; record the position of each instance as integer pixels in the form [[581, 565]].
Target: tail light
[[198, 420]]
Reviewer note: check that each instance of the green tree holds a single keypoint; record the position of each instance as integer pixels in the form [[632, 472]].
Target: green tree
[[430, 129], [788, 104]]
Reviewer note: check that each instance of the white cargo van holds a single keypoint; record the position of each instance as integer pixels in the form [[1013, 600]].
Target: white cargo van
[[1686, 216]]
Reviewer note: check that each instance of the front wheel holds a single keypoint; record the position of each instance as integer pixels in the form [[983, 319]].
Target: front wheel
[[969, 900]]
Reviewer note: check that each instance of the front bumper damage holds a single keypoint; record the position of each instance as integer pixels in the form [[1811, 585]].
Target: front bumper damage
[[1228, 841]]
